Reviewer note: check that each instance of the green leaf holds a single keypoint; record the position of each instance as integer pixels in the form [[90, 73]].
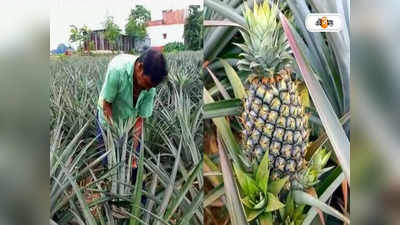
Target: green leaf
[[77, 191], [234, 205], [189, 183], [276, 186], [298, 212], [196, 203], [273, 203], [222, 108], [248, 202], [262, 174], [226, 11], [252, 214], [247, 183], [304, 198], [261, 204], [266, 219], [137, 195], [210, 166], [324, 197], [229, 139], [220, 23], [233, 77], [220, 87], [289, 209], [169, 192], [330, 121]]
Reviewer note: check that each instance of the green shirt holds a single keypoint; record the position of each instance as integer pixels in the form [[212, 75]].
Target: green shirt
[[118, 90]]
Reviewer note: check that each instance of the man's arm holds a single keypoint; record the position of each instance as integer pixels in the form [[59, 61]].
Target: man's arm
[[107, 111]]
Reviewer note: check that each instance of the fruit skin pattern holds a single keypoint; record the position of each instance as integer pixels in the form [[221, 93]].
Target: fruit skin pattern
[[275, 122]]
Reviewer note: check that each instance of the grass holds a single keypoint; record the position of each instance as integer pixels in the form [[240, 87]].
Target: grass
[[84, 192]]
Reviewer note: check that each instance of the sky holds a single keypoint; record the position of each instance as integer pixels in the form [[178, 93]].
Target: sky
[[64, 13]]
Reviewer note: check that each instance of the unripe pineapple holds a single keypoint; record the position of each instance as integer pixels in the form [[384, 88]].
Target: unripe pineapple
[[274, 118]]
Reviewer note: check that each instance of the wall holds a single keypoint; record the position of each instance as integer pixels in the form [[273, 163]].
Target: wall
[[173, 16], [174, 33]]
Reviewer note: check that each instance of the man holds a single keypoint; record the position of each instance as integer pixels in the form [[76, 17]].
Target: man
[[128, 91]]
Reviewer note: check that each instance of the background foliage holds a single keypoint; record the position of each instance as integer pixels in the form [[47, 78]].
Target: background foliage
[[193, 31], [136, 26]]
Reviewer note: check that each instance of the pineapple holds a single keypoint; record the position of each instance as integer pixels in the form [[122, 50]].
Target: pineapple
[[274, 118]]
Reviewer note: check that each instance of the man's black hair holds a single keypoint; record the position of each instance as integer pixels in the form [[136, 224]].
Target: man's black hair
[[154, 65]]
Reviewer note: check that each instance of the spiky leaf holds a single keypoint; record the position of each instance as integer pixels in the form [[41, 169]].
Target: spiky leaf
[[273, 203], [276, 186], [262, 174], [247, 183]]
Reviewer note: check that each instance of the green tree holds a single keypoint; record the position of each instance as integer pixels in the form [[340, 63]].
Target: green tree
[[136, 26], [193, 31], [112, 32], [79, 35]]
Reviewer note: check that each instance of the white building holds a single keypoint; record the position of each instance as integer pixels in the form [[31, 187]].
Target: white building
[[168, 29]]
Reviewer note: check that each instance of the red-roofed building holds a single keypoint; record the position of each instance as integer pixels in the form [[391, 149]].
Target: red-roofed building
[[168, 29]]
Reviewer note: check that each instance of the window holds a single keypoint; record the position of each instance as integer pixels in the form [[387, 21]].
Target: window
[[164, 35]]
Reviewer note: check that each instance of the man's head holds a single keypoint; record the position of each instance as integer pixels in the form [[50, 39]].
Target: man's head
[[150, 69]]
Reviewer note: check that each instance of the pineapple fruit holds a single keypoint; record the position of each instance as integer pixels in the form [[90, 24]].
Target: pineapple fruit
[[274, 117]]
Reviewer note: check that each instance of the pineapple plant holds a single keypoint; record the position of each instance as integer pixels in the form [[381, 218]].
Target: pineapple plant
[[268, 111], [274, 117]]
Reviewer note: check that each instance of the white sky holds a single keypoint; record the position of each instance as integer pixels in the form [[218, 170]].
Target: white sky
[[64, 13]]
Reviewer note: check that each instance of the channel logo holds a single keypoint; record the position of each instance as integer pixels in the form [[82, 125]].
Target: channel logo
[[322, 22]]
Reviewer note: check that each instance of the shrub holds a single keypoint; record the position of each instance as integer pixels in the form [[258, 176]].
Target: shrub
[[173, 47]]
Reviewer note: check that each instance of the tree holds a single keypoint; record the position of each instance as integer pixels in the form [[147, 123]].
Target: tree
[[112, 32], [193, 31], [79, 35], [137, 20]]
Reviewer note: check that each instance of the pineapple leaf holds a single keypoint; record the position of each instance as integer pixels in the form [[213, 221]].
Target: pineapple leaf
[[226, 11], [305, 99], [304, 198], [248, 202], [298, 212], [261, 203], [329, 119], [266, 219], [289, 209], [276, 186], [233, 77], [273, 203], [218, 84], [232, 107], [234, 205], [225, 131], [262, 174], [247, 183], [252, 214]]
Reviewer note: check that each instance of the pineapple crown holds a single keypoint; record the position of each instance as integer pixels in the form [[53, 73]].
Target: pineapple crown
[[265, 49]]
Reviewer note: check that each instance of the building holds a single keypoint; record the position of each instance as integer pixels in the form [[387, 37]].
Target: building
[[99, 43], [168, 29], [124, 42]]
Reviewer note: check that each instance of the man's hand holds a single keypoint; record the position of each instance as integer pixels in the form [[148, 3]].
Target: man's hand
[[137, 133], [107, 111]]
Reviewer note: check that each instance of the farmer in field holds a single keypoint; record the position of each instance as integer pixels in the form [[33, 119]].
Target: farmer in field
[[128, 91]]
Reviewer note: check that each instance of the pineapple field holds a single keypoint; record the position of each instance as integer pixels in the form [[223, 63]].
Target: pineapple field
[[276, 97], [169, 179]]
